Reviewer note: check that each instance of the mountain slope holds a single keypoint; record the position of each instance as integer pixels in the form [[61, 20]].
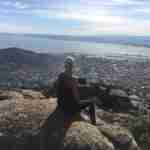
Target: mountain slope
[[21, 67], [22, 57]]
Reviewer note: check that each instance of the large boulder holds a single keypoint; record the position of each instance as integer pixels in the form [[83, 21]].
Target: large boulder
[[84, 136], [23, 109], [120, 137]]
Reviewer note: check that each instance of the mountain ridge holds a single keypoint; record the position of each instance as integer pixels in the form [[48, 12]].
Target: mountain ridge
[[24, 57]]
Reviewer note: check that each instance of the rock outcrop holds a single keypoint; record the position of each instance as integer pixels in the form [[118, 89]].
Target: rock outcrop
[[25, 112]]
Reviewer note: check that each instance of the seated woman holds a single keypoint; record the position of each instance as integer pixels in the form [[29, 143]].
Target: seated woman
[[68, 105], [67, 89]]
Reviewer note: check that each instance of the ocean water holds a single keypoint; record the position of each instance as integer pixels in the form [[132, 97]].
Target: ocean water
[[49, 45]]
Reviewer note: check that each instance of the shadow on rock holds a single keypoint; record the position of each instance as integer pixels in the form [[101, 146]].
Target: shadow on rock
[[54, 129]]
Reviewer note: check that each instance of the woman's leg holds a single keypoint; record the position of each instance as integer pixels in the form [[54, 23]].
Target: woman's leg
[[52, 129]]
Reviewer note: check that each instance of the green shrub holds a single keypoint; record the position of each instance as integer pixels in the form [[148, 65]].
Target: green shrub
[[140, 128]]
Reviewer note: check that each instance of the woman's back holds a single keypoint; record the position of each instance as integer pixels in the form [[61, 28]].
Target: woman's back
[[66, 98]]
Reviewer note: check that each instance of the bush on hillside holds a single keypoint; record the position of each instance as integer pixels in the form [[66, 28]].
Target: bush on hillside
[[140, 128]]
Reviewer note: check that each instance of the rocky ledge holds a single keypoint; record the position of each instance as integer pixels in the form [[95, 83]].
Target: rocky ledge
[[23, 113]]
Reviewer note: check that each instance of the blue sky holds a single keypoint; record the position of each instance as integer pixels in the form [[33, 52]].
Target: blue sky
[[76, 17]]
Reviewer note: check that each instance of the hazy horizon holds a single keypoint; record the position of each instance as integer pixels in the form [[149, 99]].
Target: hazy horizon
[[56, 44], [118, 39]]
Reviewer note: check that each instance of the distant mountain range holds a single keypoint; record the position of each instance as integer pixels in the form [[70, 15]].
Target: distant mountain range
[[114, 39]]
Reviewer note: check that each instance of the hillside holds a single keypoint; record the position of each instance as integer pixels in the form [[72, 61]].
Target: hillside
[[19, 56], [26, 69], [21, 67]]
